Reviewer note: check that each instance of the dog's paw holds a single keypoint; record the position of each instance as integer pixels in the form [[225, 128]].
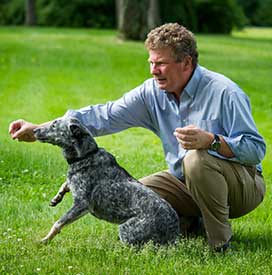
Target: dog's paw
[[53, 203], [44, 241], [56, 200]]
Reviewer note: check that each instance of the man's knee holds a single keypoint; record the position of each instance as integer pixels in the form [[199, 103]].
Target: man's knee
[[201, 170], [195, 163]]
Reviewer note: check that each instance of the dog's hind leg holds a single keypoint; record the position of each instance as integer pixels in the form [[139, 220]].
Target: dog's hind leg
[[159, 229], [78, 210], [134, 231], [58, 198]]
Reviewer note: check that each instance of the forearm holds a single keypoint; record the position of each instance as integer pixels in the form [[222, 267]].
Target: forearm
[[247, 150], [224, 149]]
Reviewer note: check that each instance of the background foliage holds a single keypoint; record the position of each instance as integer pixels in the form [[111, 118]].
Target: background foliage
[[216, 16], [183, 12], [76, 13], [258, 13]]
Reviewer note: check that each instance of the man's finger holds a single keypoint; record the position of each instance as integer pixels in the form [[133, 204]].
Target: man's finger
[[15, 126], [17, 134], [185, 132]]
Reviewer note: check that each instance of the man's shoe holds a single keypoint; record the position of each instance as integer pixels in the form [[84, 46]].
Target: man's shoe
[[223, 247]]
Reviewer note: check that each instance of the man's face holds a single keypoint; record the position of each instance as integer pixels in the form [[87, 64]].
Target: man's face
[[170, 75]]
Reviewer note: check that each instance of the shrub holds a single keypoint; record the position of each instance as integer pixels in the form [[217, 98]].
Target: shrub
[[219, 16], [183, 12], [12, 12], [249, 7], [77, 13], [263, 15]]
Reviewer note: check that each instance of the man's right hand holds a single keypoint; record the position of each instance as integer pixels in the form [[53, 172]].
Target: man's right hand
[[22, 130]]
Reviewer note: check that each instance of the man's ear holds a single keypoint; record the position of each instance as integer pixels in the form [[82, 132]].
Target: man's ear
[[188, 61]]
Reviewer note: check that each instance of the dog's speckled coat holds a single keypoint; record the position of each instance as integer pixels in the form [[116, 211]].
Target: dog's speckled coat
[[103, 188]]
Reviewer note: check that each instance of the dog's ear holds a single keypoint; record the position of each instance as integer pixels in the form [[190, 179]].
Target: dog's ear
[[76, 128]]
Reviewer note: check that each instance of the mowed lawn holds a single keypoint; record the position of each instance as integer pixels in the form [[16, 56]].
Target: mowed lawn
[[44, 72]]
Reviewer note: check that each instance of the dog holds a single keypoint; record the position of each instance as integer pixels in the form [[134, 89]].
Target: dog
[[100, 186]]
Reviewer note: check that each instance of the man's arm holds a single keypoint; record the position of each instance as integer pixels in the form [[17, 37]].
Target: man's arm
[[131, 110], [239, 136]]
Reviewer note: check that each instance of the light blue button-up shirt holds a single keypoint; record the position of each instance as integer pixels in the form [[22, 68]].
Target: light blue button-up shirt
[[210, 101]]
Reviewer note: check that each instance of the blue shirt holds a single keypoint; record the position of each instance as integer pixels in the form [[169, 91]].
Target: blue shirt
[[210, 101]]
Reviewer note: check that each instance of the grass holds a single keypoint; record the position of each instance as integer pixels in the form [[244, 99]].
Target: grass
[[44, 72]]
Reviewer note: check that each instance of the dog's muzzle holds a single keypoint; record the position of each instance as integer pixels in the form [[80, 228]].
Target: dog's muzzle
[[38, 134]]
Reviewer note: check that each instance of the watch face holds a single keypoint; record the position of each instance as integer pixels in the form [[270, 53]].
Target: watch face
[[216, 143]]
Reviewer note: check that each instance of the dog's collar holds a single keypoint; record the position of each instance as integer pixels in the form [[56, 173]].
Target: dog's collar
[[74, 160]]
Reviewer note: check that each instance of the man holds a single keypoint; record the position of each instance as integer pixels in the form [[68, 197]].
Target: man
[[210, 140]]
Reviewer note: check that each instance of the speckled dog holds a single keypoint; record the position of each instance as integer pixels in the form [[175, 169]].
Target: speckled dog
[[103, 188]]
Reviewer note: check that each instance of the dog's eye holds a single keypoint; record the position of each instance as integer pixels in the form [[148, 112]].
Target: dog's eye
[[54, 124]]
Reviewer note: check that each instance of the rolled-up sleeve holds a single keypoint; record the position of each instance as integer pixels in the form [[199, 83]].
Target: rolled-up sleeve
[[243, 137]]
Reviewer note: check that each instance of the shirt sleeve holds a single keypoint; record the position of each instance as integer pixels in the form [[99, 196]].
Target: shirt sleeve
[[242, 135], [131, 110]]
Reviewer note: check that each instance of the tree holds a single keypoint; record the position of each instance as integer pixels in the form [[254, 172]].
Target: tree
[[153, 14], [182, 12], [219, 16], [263, 16], [30, 14], [136, 18], [250, 8]]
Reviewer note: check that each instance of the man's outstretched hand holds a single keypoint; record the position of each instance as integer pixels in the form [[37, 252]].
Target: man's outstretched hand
[[22, 130]]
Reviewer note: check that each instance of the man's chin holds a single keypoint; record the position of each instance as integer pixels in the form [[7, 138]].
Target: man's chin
[[162, 85]]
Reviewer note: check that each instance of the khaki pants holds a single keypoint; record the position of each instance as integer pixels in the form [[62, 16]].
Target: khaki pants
[[215, 189]]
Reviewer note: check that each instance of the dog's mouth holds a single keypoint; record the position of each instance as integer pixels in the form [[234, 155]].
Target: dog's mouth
[[39, 136], [41, 139]]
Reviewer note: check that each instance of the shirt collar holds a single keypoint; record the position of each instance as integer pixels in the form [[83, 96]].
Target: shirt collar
[[193, 83]]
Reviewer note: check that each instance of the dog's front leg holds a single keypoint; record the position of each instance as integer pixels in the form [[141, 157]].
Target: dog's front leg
[[58, 198], [77, 211]]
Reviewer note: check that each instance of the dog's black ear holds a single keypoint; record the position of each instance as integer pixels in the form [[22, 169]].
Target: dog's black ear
[[76, 128]]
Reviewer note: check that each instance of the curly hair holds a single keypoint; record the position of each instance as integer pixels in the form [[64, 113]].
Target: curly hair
[[178, 38]]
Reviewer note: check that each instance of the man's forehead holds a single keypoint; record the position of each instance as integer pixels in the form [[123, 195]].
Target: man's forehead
[[160, 54]]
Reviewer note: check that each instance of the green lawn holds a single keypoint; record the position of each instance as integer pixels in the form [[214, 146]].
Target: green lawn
[[44, 72]]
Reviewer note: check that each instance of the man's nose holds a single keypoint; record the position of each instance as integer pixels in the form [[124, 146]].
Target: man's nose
[[154, 69]]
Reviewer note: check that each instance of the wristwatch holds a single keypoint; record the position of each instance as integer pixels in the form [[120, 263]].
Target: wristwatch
[[216, 143]]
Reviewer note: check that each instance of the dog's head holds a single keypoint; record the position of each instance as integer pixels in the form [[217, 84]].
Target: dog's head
[[68, 133]]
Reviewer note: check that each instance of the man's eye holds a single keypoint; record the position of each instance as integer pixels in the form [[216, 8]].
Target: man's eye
[[157, 64]]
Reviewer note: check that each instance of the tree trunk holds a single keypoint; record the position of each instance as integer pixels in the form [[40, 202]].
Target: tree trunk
[[30, 13], [136, 18], [153, 15]]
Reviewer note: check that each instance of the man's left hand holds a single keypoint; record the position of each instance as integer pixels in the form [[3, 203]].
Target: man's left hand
[[191, 137]]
